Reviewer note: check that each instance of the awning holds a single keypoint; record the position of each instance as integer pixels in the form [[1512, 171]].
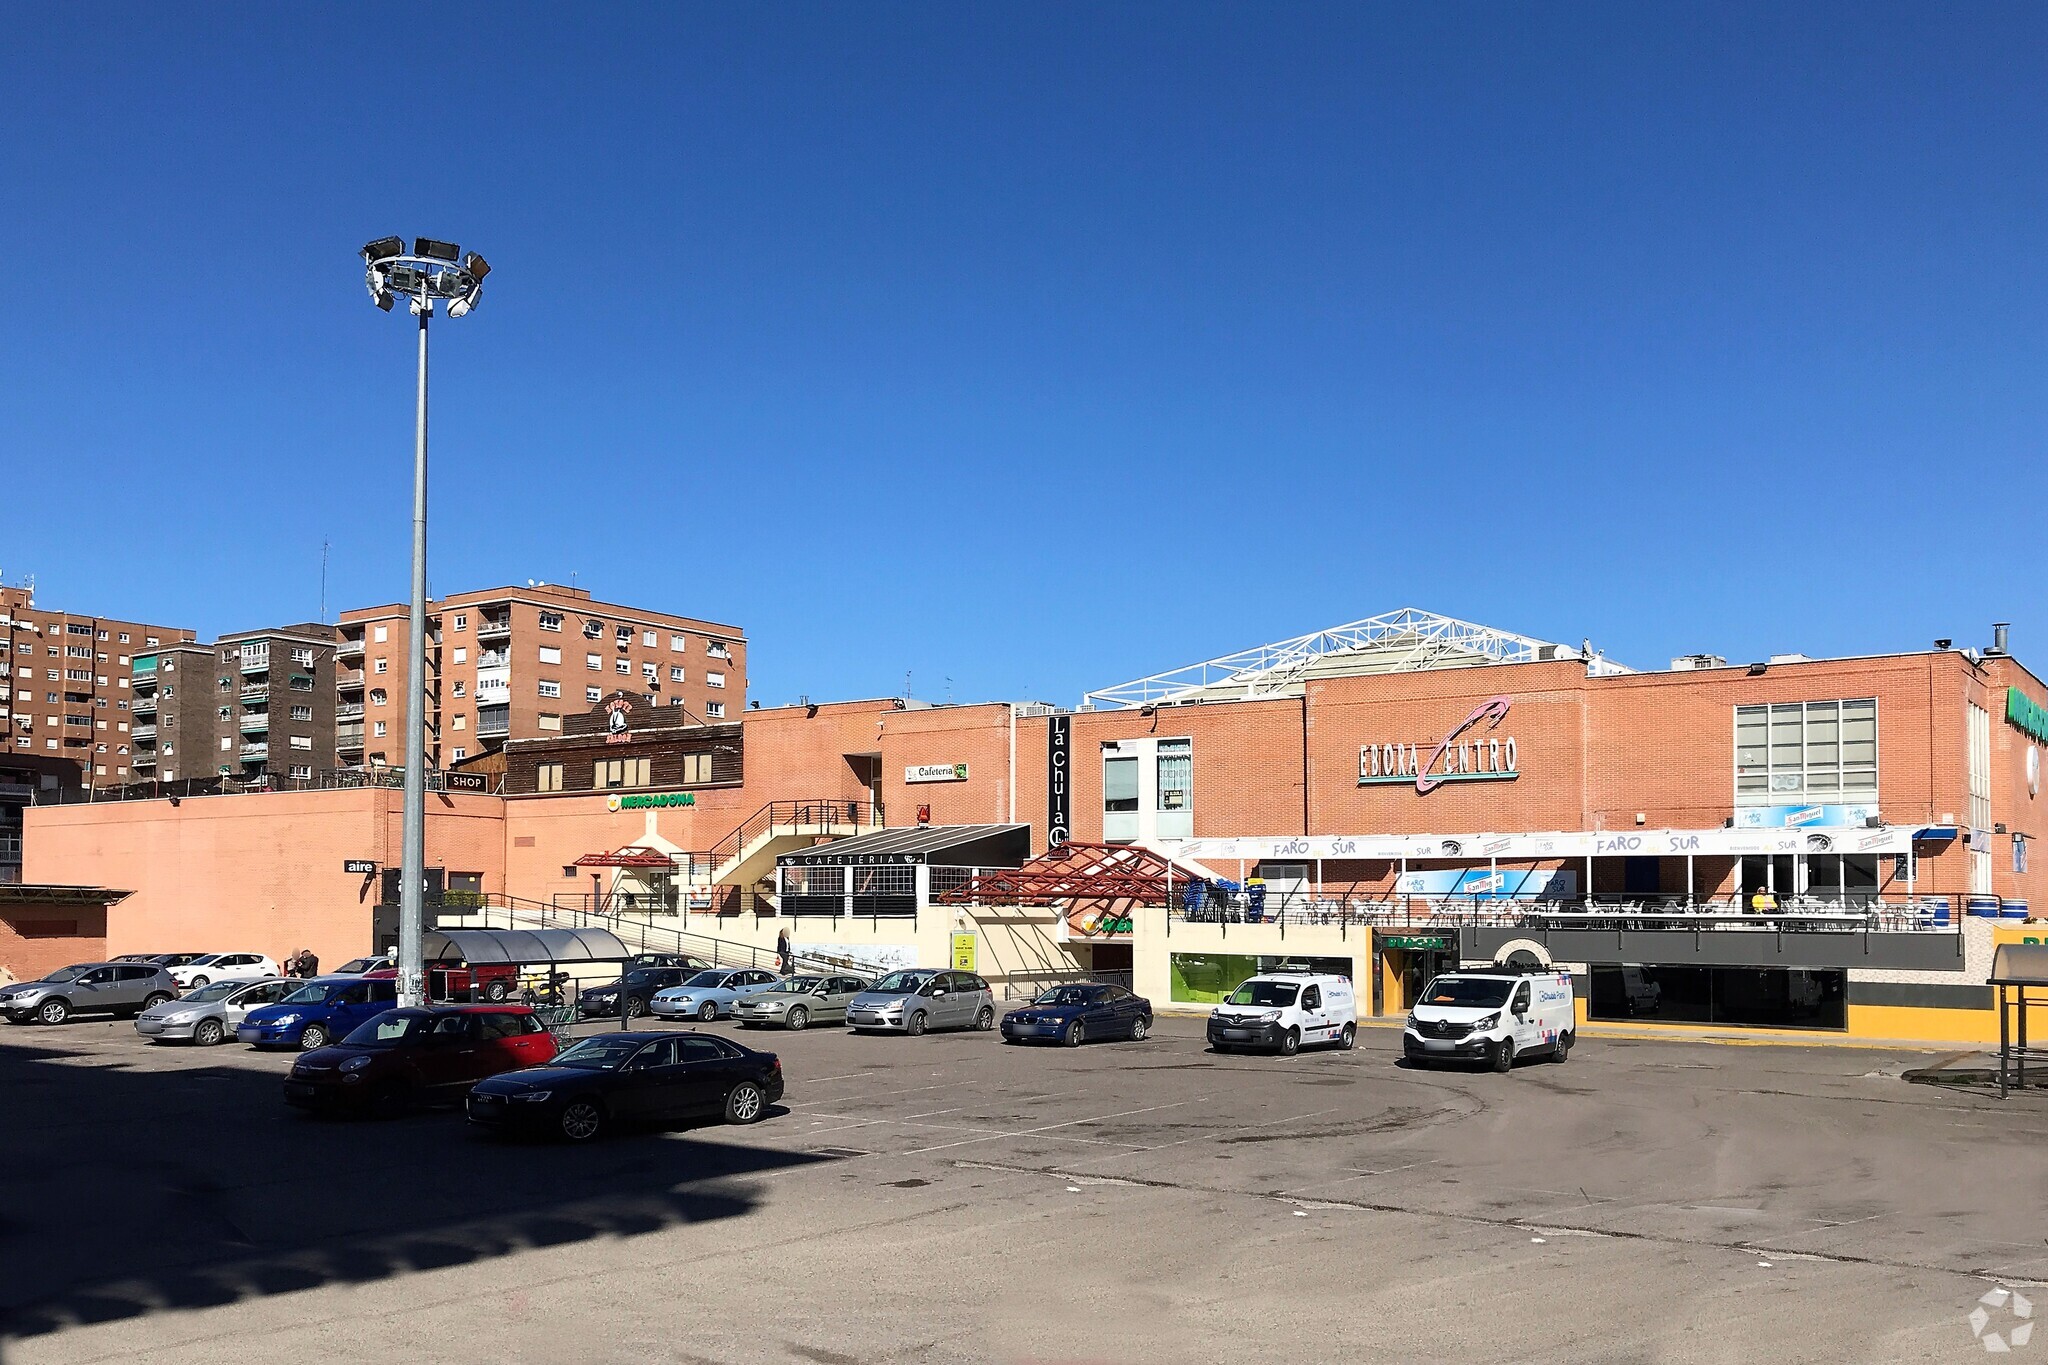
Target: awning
[[16, 894], [2020, 964], [523, 946], [1935, 834], [941, 845]]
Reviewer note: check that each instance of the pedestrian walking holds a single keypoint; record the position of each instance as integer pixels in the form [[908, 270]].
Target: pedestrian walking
[[785, 956]]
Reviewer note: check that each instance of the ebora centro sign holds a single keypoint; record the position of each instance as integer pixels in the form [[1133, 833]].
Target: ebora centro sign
[[1469, 753]]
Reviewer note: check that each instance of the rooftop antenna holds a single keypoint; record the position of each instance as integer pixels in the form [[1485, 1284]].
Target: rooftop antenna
[[323, 579], [906, 684], [949, 691]]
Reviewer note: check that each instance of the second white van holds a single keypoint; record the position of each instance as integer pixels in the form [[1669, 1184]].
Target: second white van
[[1283, 1011]]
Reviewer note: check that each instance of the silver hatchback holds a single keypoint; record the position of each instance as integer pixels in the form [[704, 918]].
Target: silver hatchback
[[921, 998], [797, 1002], [210, 1014]]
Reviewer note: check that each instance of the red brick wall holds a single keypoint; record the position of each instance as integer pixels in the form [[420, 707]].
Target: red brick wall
[[30, 950]]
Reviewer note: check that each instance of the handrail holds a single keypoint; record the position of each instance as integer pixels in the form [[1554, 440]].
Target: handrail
[[813, 811]]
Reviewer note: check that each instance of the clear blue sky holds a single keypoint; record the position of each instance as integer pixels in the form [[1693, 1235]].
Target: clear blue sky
[[1041, 346]]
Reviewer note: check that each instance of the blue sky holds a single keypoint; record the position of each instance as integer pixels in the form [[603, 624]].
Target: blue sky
[[1038, 347]]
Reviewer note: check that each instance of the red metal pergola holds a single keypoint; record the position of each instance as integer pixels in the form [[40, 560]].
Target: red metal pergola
[[1107, 873], [633, 855]]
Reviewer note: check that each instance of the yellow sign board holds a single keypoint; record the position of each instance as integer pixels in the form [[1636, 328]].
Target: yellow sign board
[[964, 950]]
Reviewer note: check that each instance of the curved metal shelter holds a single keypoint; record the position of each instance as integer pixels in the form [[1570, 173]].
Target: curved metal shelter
[[520, 947], [2017, 968]]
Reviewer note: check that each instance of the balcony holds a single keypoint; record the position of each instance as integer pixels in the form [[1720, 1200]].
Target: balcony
[[349, 649], [494, 724], [494, 658], [255, 663], [142, 758], [256, 721], [348, 741], [349, 710], [143, 706], [255, 753], [488, 629], [256, 689], [350, 681], [142, 732]]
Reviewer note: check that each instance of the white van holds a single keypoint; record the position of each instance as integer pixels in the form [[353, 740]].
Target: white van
[[1283, 1010], [1494, 1016]]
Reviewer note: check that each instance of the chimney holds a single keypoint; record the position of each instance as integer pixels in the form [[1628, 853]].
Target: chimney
[[2000, 630]]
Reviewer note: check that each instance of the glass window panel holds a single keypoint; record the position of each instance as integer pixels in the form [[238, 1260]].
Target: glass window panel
[[1865, 781], [1860, 753], [1823, 783], [1756, 782], [1120, 784]]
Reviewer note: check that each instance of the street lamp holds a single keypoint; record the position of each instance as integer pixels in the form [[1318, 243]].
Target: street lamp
[[432, 272]]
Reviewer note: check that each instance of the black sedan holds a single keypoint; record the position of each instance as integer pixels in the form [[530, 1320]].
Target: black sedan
[[1074, 1014], [639, 985], [624, 1079]]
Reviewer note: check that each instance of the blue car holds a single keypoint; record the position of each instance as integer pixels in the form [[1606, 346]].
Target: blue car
[[317, 1013], [1074, 1014]]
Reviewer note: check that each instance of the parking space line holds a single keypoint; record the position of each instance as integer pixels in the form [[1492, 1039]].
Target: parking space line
[[1361, 1175], [1069, 1123]]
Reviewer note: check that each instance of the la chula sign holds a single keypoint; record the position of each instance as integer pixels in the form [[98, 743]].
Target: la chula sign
[[1471, 752]]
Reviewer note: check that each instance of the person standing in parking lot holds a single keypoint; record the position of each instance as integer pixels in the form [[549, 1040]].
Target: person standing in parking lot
[[785, 956], [305, 966]]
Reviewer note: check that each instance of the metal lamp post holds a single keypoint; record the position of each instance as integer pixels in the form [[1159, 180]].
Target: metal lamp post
[[433, 272]]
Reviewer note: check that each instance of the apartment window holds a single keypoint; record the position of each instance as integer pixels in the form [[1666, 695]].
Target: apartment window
[[714, 679], [302, 713], [548, 720], [714, 710], [121, 705], [595, 662], [381, 666], [650, 639], [678, 643], [376, 696], [1815, 751], [49, 744], [226, 743], [377, 729], [460, 686], [675, 673], [461, 621], [225, 714], [124, 637], [551, 620], [78, 651], [303, 657], [649, 672], [717, 650], [624, 772], [625, 666], [462, 655], [300, 741], [550, 655], [696, 769], [73, 628], [301, 771], [461, 722], [151, 641], [625, 635], [459, 754], [550, 688], [380, 634], [547, 777]]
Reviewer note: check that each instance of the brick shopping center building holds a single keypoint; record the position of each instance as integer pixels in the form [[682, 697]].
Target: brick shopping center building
[[1817, 843]]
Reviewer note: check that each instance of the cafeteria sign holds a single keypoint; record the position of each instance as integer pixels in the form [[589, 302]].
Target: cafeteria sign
[[936, 772], [1467, 754], [650, 800]]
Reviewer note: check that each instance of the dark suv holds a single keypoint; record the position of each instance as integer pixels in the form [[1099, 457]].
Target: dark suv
[[125, 988]]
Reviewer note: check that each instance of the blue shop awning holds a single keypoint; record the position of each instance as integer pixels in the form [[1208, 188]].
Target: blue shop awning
[[1935, 834]]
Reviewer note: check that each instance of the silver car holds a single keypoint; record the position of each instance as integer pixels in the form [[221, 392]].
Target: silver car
[[798, 1002], [89, 988], [920, 998], [209, 1014]]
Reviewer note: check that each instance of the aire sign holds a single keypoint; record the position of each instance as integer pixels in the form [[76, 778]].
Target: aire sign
[[936, 772], [1469, 753]]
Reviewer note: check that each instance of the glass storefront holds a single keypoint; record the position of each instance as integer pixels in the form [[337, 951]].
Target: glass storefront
[[1205, 978], [1754, 997]]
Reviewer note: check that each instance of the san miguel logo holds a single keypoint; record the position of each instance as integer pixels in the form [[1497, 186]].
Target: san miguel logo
[[1471, 752], [615, 720]]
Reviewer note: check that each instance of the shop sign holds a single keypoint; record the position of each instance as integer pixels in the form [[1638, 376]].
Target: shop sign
[[936, 772], [650, 800], [1059, 795], [1492, 883], [359, 867], [465, 782], [964, 945], [615, 714], [2028, 715], [1467, 754], [1803, 817], [1115, 924], [1420, 943]]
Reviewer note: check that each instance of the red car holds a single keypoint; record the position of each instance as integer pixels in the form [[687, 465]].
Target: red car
[[446, 981], [407, 1057]]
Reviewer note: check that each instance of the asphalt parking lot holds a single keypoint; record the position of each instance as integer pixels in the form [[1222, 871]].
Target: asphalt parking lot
[[949, 1198]]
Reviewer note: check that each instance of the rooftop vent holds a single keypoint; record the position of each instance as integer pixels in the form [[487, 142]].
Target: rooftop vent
[[1688, 662]]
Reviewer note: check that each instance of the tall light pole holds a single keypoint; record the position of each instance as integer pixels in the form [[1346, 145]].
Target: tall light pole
[[433, 272]]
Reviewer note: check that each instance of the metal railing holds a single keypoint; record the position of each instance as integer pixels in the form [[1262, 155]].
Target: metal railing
[[637, 934], [348, 710], [790, 815], [328, 779]]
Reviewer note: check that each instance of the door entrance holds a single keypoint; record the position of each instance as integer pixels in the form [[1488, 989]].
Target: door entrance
[[1407, 963]]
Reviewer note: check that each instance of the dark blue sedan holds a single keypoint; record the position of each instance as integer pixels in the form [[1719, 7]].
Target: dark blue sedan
[[1074, 1014]]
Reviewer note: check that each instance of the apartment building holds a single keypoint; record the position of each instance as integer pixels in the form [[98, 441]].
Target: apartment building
[[172, 738], [510, 663], [274, 707], [70, 685]]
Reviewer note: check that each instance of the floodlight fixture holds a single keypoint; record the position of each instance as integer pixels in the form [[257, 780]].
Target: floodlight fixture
[[477, 267], [433, 250], [383, 249]]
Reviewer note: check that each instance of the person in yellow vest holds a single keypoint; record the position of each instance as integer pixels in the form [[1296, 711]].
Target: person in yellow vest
[[1762, 902]]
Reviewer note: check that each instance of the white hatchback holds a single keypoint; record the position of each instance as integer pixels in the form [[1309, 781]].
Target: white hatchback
[[211, 967]]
